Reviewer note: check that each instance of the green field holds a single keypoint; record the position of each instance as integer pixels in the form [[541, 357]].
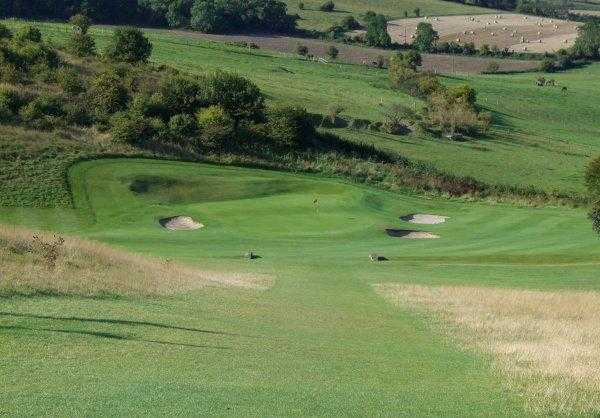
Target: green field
[[541, 137], [318, 342], [312, 18]]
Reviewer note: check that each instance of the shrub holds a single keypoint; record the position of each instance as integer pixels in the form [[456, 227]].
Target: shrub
[[182, 126], [302, 50], [131, 128], [44, 112], [425, 37], [592, 178], [81, 45], [32, 54], [237, 95], [68, 79], [377, 34], [328, 6], [182, 94], [453, 117], [129, 45], [547, 65], [10, 73], [397, 119], [5, 33], [10, 99], [76, 113], [358, 123], [28, 34], [332, 52], [290, 126], [81, 23], [350, 23], [216, 127], [107, 94], [594, 216], [492, 67], [150, 105]]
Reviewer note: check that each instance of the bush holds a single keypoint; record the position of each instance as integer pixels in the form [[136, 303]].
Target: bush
[[10, 73], [452, 117], [10, 99], [182, 94], [377, 34], [32, 54], [594, 216], [76, 113], [397, 119], [332, 52], [81, 23], [547, 65], [350, 23], [5, 33], [28, 34], [328, 6], [81, 45], [237, 95], [290, 126], [592, 178], [216, 127], [150, 105], [358, 123], [302, 50], [107, 94], [129, 45], [131, 128], [492, 67], [182, 126], [44, 112], [68, 79]]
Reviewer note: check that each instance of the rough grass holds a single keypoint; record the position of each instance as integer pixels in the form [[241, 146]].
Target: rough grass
[[35, 263], [546, 343]]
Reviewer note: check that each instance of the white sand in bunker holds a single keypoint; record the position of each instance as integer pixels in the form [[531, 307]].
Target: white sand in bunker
[[180, 223], [424, 218], [410, 234], [516, 32]]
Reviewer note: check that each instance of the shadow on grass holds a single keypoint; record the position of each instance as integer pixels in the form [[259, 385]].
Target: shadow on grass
[[119, 322], [111, 336]]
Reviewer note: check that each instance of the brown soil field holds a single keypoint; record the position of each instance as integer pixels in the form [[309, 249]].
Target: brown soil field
[[516, 32], [444, 64]]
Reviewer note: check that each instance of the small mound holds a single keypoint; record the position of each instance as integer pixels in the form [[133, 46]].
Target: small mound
[[180, 223], [410, 234], [424, 218]]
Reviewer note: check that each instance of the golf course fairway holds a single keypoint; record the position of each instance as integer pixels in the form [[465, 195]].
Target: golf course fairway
[[318, 340]]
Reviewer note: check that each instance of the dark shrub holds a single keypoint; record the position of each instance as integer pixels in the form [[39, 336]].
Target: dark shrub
[[237, 95], [332, 52], [358, 123], [5, 33], [76, 113], [328, 6], [150, 105], [290, 126], [592, 178], [350, 23], [82, 45], [10, 73], [38, 54], [44, 112], [492, 67], [216, 127], [11, 100], [81, 23], [28, 34], [397, 119], [302, 50], [131, 128], [595, 217], [107, 94], [129, 45], [182, 94], [68, 79], [547, 65], [182, 126], [377, 34]]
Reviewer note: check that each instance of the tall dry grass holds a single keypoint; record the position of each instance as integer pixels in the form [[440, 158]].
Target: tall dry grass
[[546, 344], [42, 263]]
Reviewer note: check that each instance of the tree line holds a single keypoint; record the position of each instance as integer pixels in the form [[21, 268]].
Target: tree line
[[216, 16]]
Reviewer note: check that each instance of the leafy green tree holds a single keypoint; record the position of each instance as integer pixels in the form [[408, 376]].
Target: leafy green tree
[[425, 37], [587, 44], [237, 95], [290, 126], [129, 45], [377, 34], [592, 180]]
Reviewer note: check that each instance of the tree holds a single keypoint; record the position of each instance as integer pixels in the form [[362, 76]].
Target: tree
[[81, 23], [425, 37], [129, 45], [107, 94], [237, 95], [592, 180], [81, 43], [302, 50], [403, 67], [587, 44], [377, 34], [332, 52]]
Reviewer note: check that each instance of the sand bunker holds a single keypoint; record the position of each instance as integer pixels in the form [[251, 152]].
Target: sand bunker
[[180, 223], [423, 218], [410, 234]]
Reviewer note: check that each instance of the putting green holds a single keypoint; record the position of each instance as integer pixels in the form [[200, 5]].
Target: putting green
[[319, 341]]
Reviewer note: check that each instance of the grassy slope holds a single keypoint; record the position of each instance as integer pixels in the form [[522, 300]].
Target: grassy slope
[[314, 19], [319, 342], [541, 136]]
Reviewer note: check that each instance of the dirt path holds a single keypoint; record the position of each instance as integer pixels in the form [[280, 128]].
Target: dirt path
[[444, 64]]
